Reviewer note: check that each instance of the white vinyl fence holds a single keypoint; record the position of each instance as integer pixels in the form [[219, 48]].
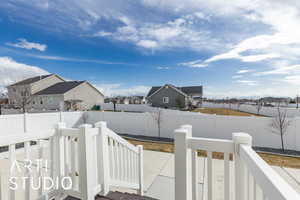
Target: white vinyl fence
[[28, 122], [205, 125], [127, 107], [266, 111]]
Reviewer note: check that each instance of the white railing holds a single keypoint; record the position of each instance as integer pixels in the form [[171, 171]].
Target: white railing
[[96, 159], [125, 167], [254, 178], [258, 180], [92, 158], [16, 164]]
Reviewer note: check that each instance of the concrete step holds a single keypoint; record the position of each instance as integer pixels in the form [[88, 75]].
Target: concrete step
[[118, 196]]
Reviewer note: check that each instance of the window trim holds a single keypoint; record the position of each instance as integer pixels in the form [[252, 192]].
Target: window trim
[[165, 100]]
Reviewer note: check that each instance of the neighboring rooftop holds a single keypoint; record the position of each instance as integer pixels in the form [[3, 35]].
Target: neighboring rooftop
[[31, 80], [187, 90], [60, 88], [191, 89], [153, 89]]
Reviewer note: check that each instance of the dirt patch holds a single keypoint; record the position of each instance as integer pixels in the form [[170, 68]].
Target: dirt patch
[[223, 111], [277, 160]]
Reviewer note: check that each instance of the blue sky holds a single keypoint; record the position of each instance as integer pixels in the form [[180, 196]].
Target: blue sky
[[123, 47]]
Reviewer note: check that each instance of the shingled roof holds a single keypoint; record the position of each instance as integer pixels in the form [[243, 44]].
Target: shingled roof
[[60, 88], [31, 80], [152, 90], [188, 90]]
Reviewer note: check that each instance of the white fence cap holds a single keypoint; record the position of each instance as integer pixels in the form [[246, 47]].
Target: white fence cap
[[242, 138]]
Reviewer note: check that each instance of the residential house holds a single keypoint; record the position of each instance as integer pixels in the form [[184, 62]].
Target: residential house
[[170, 96], [117, 100], [21, 91], [137, 100], [68, 95], [72, 95], [126, 100]]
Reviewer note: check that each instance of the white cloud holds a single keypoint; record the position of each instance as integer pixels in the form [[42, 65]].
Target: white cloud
[[102, 34], [12, 71], [69, 59], [247, 82], [294, 80], [181, 32], [258, 57], [120, 90], [163, 68], [243, 71], [235, 54], [24, 44], [194, 64], [149, 44], [279, 16], [281, 70], [237, 76]]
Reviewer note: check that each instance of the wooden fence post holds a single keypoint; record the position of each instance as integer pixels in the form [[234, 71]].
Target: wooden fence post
[[103, 157], [183, 190], [240, 168], [86, 164]]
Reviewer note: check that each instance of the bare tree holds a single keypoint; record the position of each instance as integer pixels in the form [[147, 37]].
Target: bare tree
[[259, 106], [238, 105], [280, 124], [157, 116], [85, 117], [114, 101], [25, 101]]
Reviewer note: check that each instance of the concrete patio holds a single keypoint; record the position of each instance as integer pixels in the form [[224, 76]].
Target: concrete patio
[[159, 176]]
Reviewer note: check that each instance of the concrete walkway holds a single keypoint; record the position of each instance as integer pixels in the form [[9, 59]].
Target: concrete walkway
[[159, 176]]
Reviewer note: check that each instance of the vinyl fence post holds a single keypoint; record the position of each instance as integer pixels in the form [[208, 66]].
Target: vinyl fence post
[[25, 116], [141, 170], [183, 188], [61, 116], [240, 168], [103, 157], [59, 159], [86, 165]]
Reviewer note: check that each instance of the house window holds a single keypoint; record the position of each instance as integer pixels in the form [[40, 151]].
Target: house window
[[165, 99]]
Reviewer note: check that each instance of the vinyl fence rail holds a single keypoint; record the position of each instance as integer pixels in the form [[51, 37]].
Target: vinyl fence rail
[[254, 178]]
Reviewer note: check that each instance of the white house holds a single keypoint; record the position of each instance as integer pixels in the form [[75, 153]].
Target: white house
[[51, 92], [74, 95], [22, 90]]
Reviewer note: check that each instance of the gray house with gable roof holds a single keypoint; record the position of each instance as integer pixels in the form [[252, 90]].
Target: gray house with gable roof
[[170, 96]]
